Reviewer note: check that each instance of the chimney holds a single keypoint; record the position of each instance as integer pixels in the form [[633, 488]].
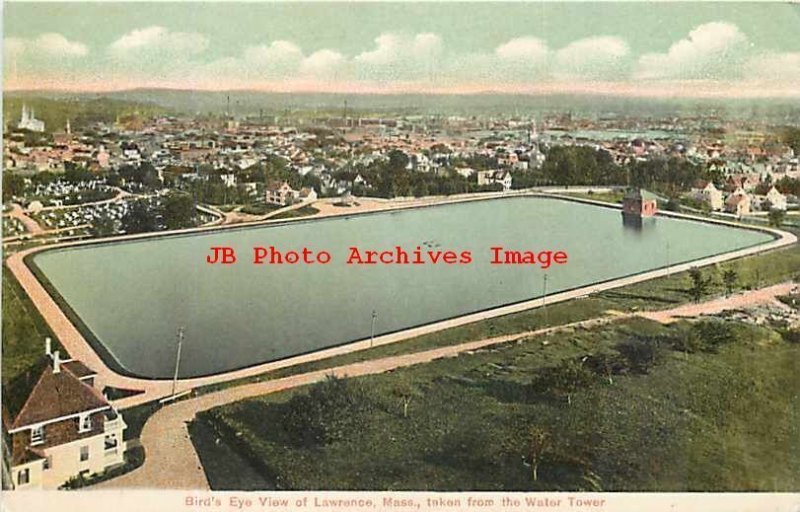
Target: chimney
[[48, 347], [56, 362]]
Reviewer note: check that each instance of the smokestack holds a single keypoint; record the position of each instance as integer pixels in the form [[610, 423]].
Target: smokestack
[[56, 362], [48, 346]]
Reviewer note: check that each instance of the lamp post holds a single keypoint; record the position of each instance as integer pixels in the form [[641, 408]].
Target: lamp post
[[372, 330], [669, 271], [544, 298], [177, 360]]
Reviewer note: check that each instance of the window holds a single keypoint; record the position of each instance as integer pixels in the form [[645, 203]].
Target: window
[[24, 476], [84, 423], [37, 435], [111, 442], [84, 453]]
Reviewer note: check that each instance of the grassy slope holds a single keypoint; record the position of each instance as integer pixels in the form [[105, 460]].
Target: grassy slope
[[726, 421], [24, 330]]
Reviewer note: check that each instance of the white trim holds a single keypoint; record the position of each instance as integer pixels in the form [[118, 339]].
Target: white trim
[[56, 420]]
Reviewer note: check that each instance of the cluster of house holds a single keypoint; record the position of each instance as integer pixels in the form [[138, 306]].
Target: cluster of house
[[58, 425], [736, 199]]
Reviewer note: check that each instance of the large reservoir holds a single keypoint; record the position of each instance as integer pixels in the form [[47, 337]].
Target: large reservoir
[[132, 297]]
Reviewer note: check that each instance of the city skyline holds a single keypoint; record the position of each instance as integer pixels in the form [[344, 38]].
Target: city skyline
[[663, 50]]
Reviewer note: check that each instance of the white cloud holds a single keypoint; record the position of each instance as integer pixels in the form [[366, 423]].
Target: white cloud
[[323, 64], [275, 52], [56, 45], [394, 48], [593, 57], [774, 67], [713, 50], [399, 56], [49, 45], [158, 41], [523, 49]]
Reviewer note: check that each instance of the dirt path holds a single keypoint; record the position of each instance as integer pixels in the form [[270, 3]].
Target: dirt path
[[31, 226], [737, 301], [171, 461]]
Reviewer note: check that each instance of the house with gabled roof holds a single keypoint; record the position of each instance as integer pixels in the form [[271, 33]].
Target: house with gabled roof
[[58, 425], [280, 193], [706, 192]]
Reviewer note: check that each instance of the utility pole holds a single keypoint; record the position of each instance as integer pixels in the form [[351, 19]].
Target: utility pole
[[177, 360], [372, 331], [544, 298], [669, 272]]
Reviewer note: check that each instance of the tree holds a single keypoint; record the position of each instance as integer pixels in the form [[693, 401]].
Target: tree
[[397, 160], [776, 217], [699, 284], [331, 410], [641, 354], [179, 211], [536, 446], [140, 218], [564, 379], [406, 393], [606, 365], [729, 278], [13, 185], [103, 226]]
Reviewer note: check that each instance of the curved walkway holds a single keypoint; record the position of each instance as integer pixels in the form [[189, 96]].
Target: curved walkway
[[171, 461], [78, 348], [714, 306], [170, 458]]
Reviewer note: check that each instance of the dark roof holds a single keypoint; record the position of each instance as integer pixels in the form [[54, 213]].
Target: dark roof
[[25, 456], [641, 194], [16, 391], [52, 396], [79, 369]]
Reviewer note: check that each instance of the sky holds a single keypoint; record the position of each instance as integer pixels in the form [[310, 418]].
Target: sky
[[670, 49]]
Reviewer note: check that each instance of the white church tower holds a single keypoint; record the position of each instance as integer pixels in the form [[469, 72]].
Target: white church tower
[[29, 121]]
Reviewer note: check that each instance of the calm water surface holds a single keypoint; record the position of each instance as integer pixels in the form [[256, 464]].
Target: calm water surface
[[134, 295]]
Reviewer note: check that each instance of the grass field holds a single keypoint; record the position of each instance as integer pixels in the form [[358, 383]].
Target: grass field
[[300, 212], [24, 330], [667, 416], [608, 197]]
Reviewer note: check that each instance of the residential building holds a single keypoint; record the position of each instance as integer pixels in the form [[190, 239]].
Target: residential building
[[307, 194], [706, 192], [738, 203], [59, 426], [280, 193], [491, 177], [777, 201]]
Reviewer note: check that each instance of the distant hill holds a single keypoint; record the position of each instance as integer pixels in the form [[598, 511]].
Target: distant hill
[[252, 103], [81, 110]]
